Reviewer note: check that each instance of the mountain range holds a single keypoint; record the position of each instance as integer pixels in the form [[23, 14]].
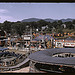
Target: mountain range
[[48, 20]]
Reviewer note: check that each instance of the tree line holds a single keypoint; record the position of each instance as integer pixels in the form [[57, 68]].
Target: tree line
[[21, 27]]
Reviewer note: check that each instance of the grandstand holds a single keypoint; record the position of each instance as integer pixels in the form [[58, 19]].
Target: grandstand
[[58, 60]]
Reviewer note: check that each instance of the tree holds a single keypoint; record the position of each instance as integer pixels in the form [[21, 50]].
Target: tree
[[59, 23], [42, 23], [1, 25], [50, 26], [7, 26], [54, 24], [69, 25], [17, 28], [73, 22]]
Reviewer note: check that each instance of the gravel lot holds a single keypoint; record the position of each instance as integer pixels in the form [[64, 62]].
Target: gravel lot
[[22, 70]]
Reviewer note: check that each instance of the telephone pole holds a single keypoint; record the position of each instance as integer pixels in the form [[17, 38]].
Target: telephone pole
[[30, 39], [31, 33]]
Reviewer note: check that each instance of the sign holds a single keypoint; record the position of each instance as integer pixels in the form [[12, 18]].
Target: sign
[[26, 38], [69, 44]]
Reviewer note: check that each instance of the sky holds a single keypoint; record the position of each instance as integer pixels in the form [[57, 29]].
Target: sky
[[18, 11]]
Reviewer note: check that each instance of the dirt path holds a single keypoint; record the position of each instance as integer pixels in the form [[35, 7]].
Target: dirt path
[[23, 70]]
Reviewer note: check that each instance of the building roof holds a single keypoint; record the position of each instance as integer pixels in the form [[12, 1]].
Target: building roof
[[40, 37], [2, 49], [69, 38], [45, 56], [34, 41]]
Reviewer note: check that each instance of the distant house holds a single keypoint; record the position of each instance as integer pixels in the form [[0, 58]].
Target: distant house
[[37, 29], [63, 25], [44, 27]]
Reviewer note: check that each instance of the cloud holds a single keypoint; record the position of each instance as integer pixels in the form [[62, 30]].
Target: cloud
[[8, 18], [3, 11], [4, 17]]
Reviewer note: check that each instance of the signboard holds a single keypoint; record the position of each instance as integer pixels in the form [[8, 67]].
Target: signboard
[[70, 44], [26, 38]]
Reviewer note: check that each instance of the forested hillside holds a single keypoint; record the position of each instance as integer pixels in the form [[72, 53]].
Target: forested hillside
[[20, 27]]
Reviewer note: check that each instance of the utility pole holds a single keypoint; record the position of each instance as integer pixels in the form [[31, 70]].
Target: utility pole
[[30, 39], [31, 33]]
